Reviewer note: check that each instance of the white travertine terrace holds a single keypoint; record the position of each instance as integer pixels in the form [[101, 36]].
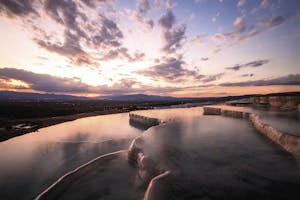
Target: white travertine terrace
[[147, 168], [288, 142], [279, 102], [152, 192], [284, 102], [145, 121]]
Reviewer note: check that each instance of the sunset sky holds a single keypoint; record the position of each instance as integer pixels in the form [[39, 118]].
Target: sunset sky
[[191, 48]]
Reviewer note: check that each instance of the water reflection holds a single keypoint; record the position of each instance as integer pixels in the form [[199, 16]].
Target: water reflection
[[171, 114], [30, 163], [137, 125], [215, 157], [285, 121], [217, 154]]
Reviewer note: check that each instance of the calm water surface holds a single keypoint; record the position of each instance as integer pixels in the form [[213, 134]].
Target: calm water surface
[[285, 121], [31, 162], [211, 157], [224, 150], [216, 157]]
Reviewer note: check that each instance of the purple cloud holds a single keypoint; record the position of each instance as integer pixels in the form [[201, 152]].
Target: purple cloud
[[172, 35], [256, 63], [292, 79]]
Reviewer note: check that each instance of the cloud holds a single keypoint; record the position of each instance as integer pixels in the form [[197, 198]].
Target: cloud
[[53, 84], [199, 1], [292, 79], [211, 78], [169, 5], [167, 20], [109, 35], [158, 3], [148, 23], [198, 39], [45, 82], [204, 59], [247, 75], [143, 6], [173, 38], [92, 3], [241, 3], [102, 34], [239, 23], [70, 48], [243, 31], [80, 36], [172, 35], [17, 7], [214, 18], [171, 70], [122, 53], [65, 13], [218, 37], [105, 33], [256, 63], [275, 21], [138, 56], [264, 3]]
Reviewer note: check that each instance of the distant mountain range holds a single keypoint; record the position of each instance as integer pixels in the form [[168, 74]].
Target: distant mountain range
[[28, 96], [23, 96], [139, 97], [19, 96]]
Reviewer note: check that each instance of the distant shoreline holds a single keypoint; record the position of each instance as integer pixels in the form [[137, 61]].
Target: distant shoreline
[[21, 126], [50, 121], [19, 118]]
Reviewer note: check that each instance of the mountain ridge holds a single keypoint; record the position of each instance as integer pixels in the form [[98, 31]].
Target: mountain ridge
[[31, 96]]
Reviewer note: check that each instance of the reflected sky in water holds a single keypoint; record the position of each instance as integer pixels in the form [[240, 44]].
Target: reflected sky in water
[[172, 113], [285, 121], [31, 162], [215, 157]]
